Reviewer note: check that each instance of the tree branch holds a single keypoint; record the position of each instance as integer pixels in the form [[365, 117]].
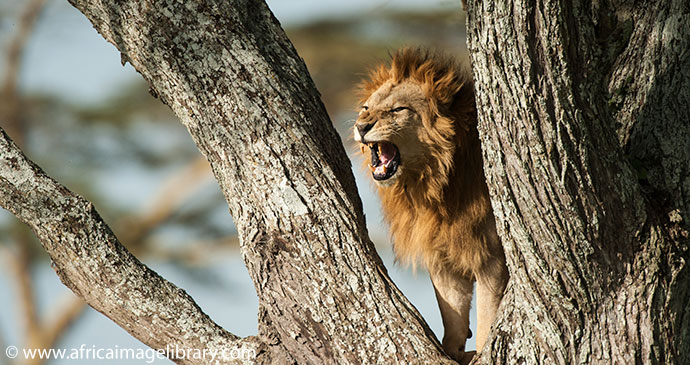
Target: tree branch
[[90, 260]]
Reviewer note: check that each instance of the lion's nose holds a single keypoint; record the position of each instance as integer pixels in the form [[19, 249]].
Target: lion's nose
[[363, 128]]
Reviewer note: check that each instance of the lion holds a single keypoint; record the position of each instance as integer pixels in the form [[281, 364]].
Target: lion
[[418, 122]]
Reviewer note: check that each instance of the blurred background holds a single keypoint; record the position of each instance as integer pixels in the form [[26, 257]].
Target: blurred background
[[90, 123]]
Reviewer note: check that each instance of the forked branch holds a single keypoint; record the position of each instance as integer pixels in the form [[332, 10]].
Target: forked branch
[[90, 260]]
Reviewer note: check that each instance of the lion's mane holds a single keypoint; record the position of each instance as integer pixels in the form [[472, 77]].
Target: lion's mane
[[442, 214]]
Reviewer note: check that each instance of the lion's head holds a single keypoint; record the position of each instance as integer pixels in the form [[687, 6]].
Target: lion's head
[[414, 115]]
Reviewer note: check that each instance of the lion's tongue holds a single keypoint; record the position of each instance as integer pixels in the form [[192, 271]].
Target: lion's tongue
[[386, 154]]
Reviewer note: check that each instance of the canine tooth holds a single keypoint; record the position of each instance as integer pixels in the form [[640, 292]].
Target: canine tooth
[[385, 169], [372, 168]]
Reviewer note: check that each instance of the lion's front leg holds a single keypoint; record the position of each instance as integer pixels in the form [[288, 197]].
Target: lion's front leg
[[454, 295], [491, 282]]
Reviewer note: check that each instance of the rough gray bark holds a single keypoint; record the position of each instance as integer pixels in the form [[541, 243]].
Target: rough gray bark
[[233, 78], [90, 260], [583, 113]]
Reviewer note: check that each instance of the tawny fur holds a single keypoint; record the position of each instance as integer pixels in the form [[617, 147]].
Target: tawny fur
[[437, 203], [440, 213]]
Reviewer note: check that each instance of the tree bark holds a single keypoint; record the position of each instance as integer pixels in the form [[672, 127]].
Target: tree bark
[[583, 114], [583, 117], [90, 261], [231, 75]]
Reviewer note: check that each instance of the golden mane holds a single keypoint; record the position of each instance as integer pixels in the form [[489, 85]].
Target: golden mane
[[440, 76], [443, 213], [449, 92]]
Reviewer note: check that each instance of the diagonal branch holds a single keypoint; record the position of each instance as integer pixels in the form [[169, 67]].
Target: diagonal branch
[[90, 260]]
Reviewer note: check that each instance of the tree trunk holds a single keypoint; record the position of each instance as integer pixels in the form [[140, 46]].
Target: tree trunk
[[583, 114]]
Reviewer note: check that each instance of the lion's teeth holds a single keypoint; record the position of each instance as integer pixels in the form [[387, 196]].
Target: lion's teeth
[[372, 168], [361, 147], [385, 169]]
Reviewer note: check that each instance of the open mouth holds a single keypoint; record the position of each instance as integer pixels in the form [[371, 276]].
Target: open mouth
[[385, 160]]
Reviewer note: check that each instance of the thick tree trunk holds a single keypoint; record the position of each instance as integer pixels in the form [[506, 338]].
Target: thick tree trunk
[[583, 112]]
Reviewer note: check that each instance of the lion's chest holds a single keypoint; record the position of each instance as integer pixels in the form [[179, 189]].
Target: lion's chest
[[425, 234]]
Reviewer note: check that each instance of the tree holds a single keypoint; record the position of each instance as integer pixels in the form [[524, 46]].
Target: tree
[[587, 167], [583, 112]]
